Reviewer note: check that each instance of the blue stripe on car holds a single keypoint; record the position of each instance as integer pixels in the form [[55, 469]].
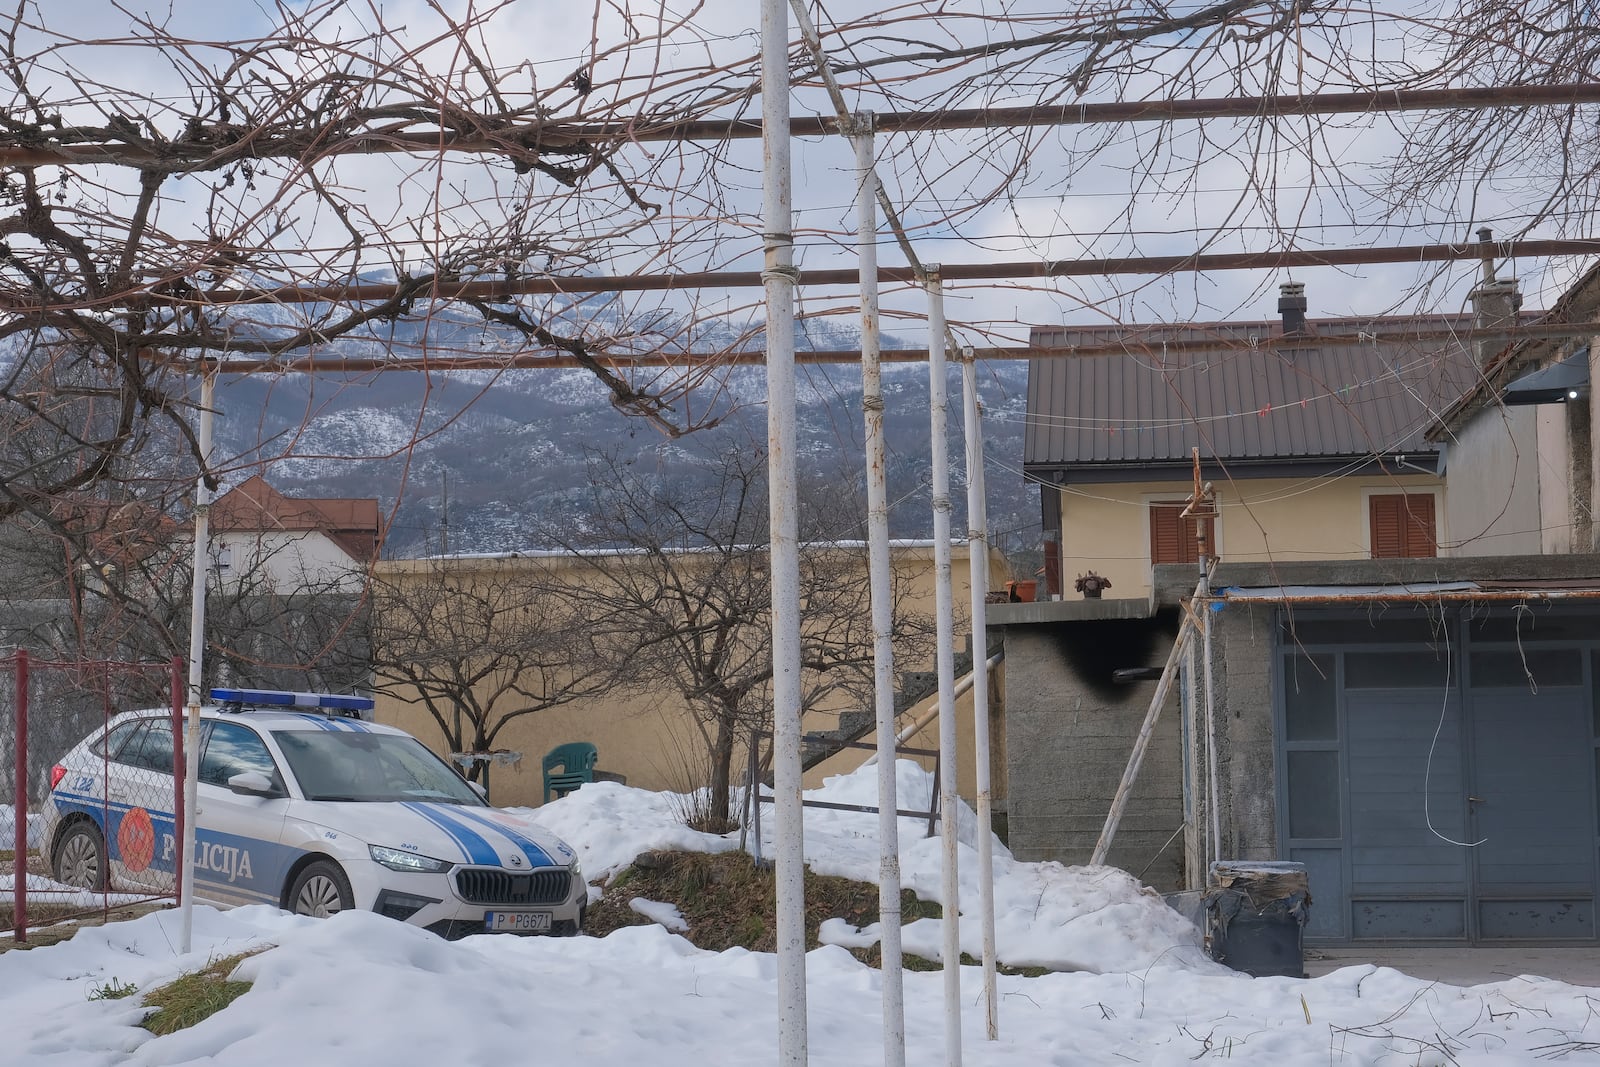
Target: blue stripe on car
[[472, 845], [537, 856], [107, 816], [269, 860]]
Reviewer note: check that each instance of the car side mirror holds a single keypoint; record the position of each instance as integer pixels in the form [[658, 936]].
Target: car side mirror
[[478, 788], [254, 784]]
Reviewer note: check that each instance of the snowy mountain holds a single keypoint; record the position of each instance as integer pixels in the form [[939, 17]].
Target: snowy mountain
[[505, 445]]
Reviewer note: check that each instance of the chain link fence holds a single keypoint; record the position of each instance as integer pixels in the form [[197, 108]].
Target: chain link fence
[[100, 830]]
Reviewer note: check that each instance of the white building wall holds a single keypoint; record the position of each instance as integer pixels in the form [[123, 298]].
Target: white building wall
[[290, 560], [1555, 480], [1492, 477]]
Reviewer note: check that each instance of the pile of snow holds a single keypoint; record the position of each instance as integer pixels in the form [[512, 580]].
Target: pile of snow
[[1048, 915], [359, 988], [362, 989], [8, 828]]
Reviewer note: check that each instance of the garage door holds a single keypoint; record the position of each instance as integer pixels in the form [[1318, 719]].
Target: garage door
[[1429, 809]]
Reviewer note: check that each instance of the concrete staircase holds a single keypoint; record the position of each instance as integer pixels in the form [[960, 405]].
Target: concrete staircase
[[914, 688]]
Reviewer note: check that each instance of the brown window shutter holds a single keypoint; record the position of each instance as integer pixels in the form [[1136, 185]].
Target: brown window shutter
[[1421, 541], [1403, 526], [1173, 538], [1165, 545]]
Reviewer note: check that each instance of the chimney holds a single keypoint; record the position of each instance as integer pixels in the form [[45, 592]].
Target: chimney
[[1292, 306], [1495, 303]]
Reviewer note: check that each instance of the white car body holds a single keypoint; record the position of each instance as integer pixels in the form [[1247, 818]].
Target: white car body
[[493, 870]]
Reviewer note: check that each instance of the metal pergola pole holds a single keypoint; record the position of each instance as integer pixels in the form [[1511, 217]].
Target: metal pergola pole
[[197, 648], [19, 855], [938, 451], [779, 278], [881, 579], [978, 578]]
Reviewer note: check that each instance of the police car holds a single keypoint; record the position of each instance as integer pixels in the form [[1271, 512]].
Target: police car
[[305, 805]]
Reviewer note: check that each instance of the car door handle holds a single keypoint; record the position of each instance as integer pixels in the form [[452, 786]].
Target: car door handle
[[1476, 800]]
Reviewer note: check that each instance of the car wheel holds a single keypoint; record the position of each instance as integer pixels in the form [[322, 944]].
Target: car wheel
[[80, 859], [320, 890]]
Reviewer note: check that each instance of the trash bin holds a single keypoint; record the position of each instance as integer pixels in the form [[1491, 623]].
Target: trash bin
[[1256, 915]]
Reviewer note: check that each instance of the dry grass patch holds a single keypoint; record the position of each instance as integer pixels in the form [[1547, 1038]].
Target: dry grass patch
[[195, 997], [729, 902]]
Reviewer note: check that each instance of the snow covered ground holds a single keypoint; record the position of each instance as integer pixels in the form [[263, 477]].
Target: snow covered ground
[[359, 989]]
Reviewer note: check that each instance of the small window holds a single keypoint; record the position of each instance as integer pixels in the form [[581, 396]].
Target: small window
[[111, 744], [1310, 703], [233, 749], [1531, 669], [1175, 538], [1403, 526], [1419, 669], [1314, 795], [152, 749]]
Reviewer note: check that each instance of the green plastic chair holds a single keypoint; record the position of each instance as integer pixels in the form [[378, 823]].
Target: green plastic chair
[[576, 760]]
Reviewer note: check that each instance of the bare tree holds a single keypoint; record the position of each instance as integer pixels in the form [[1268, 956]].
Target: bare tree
[[182, 190], [116, 585], [479, 645], [681, 599]]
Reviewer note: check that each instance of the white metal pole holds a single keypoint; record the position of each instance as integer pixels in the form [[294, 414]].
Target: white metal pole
[[1211, 730], [945, 628], [978, 578], [878, 569], [197, 647], [912, 729], [779, 276], [1196, 843]]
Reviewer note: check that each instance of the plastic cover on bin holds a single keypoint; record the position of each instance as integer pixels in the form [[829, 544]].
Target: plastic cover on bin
[[1255, 913]]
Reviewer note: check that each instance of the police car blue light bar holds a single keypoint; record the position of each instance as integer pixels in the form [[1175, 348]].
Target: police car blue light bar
[[282, 698]]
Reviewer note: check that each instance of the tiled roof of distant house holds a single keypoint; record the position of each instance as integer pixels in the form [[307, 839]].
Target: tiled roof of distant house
[[255, 506]]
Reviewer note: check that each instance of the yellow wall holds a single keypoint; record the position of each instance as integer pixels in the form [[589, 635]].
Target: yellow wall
[[1106, 528], [651, 739]]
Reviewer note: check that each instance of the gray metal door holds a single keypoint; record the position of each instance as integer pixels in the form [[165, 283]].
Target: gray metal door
[[1532, 812], [1486, 834], [1409, 871]]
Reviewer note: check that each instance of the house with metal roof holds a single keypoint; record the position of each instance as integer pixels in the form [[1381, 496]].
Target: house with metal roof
[[1388, 671], [1312, 434]]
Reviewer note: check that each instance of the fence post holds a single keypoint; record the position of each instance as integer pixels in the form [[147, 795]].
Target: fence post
[[19, 858], [178, 769]]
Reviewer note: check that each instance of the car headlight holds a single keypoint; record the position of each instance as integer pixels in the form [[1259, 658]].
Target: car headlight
[[577, 871], [397, 860]]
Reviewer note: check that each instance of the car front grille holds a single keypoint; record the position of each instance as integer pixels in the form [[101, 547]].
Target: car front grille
[[478, 886]]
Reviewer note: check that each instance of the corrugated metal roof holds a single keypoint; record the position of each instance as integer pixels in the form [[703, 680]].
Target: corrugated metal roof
[[1241, 403]]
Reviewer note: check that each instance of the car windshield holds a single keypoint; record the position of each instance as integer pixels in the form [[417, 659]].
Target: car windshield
[[372, 767]]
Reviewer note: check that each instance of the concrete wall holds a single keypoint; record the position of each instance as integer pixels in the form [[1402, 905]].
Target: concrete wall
[[1493, 469], [1243, 716], [1106, 528], [1069, 733]]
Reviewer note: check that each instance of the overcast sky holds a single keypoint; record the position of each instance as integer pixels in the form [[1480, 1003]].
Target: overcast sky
[[965, 197]]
